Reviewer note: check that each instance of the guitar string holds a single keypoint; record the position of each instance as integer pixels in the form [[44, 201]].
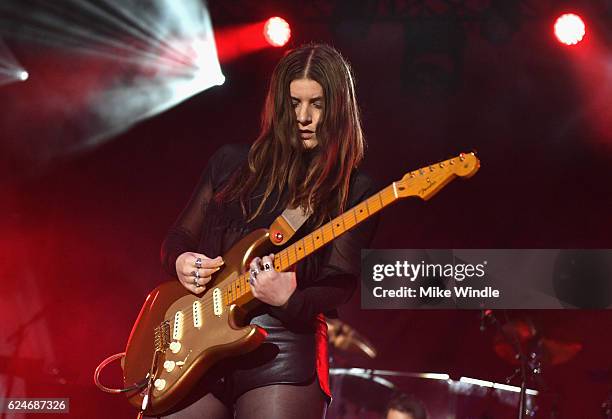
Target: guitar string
[[387, 192], [209, 303], [283, 255], [384, 193]]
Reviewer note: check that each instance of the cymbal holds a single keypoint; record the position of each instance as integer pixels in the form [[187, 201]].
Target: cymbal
[[550, 351], [344, 337], [523, 330], [505, 339], [557, 352]]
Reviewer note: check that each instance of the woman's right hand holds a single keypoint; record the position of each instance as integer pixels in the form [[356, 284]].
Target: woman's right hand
[[186, 267]]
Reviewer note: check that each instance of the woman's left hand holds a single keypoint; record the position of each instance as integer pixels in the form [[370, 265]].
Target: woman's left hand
[[268, 285]]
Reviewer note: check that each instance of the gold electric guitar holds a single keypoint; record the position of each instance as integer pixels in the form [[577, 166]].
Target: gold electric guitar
[[178, 336]]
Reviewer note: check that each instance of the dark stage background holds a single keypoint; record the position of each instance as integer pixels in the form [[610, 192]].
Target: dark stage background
[[81, 231]]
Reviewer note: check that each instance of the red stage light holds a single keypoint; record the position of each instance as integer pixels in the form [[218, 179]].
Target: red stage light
[[277, 31], [569, 29]]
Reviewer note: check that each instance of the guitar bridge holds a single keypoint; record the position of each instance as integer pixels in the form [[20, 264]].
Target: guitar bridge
[[162, 336]]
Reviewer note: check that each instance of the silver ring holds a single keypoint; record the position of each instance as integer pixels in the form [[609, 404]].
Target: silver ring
[[196, 282], [267, 266], [195, 273], [254, 273], [198, 263], [252, 279]]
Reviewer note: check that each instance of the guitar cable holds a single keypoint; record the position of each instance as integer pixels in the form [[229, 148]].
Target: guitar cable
[[103, 364]]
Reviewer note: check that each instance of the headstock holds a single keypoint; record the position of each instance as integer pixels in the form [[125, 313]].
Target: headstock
[[427, 181]]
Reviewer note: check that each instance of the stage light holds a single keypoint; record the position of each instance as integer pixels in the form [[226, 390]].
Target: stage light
[[139, 61], [569, 29], [205, 59], [277, 31], [11, 70]]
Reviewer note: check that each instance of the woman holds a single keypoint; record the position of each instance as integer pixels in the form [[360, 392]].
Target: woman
[[306, 155]]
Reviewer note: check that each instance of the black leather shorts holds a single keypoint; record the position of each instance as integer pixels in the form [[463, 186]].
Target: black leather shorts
[[285, 357]]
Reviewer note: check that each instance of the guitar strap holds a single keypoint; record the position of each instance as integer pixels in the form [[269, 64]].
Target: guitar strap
[[286, 224]]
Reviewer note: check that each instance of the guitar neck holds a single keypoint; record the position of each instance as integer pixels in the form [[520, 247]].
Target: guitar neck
[[304, 247], [423, 183], [239, 290]]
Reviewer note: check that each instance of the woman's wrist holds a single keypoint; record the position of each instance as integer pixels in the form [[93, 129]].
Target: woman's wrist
[[286, 304]]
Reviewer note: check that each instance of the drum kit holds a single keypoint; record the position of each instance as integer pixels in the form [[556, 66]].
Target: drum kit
[[364, 393]]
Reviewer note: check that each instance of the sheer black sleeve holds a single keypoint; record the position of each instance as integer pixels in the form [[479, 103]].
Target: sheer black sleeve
[[184, 234], [337, 278]]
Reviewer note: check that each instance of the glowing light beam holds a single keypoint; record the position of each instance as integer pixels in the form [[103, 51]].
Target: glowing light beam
[[10, 69], [135, 61]]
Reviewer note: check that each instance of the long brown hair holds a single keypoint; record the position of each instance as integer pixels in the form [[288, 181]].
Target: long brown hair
[[278, 157]]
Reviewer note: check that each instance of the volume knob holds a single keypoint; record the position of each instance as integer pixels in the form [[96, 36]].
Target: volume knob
[[169, 365], [160, 384], [175, 347]]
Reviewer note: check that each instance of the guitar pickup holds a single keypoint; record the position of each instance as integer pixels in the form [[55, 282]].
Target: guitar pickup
[[177, 330], [197, 314]]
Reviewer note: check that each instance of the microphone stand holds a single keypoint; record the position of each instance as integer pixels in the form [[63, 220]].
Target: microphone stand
[[521, 356]]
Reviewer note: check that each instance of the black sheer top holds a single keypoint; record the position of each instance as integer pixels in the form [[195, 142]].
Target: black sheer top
[[326, 279]]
